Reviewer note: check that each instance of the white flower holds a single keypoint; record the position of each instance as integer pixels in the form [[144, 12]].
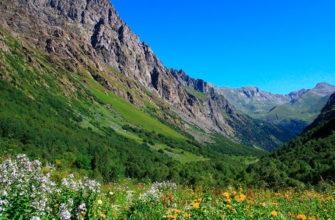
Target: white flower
[[157, 189], [81, 209], [3, 202], [24, 178], [64, 212]]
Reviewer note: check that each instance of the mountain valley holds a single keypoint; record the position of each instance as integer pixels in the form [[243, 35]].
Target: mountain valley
[[82, 94]]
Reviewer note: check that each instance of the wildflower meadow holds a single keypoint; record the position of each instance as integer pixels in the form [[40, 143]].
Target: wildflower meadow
[[32, 191]]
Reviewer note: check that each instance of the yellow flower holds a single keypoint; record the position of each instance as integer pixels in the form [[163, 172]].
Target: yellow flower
[[229, 207], [58, 162], [196, 205], [226, 194], [240, 198], [103, 216], [301, 217], [311, 218], [171, 216], [228, 200], [274, 214], [175, 210], [99, 202], [187, 215]]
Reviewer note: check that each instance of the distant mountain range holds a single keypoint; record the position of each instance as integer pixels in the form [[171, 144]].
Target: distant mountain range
[[293, 111]]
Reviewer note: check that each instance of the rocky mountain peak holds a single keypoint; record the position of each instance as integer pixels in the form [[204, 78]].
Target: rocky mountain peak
[[199, 85], [323, 89], [250, 91], [323, 85], [297, 94]]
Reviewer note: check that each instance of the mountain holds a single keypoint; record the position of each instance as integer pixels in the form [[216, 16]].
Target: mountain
[[63, 115], [293, 112], [80, 90], [88, 39], [252, 100], [309, 159]]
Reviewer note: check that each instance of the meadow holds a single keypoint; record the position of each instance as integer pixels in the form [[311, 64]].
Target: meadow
[[30, 190]]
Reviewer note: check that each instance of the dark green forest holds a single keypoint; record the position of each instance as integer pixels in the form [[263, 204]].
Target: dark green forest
[[307, 160]]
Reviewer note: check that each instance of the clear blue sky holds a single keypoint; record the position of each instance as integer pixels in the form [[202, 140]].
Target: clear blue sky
[[277, 45]]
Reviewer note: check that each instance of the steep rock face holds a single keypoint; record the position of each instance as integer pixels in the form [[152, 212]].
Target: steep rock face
[[95, 24], [296, 94], [90, 31]]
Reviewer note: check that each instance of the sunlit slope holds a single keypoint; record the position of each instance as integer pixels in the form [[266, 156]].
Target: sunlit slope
[[57, 111]]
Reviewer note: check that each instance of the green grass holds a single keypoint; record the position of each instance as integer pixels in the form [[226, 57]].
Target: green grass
[[178, 154], [195, 93], [130, 113], [305, 110], [226, 146]]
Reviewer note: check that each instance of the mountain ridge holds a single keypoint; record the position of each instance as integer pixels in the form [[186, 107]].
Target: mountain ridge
[[292, 111], [92, 36], [322, 87]]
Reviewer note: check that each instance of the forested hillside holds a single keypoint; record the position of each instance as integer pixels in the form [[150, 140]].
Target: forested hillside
[[309, 159]]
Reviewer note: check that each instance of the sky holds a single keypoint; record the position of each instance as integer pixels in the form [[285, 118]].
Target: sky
[[276, 45]]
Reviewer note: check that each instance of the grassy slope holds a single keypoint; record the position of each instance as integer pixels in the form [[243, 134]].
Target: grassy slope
[[305, 110], [248, 107], [43, 104], [178, 154], [130, 113], [195, 93], [52, 113]]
